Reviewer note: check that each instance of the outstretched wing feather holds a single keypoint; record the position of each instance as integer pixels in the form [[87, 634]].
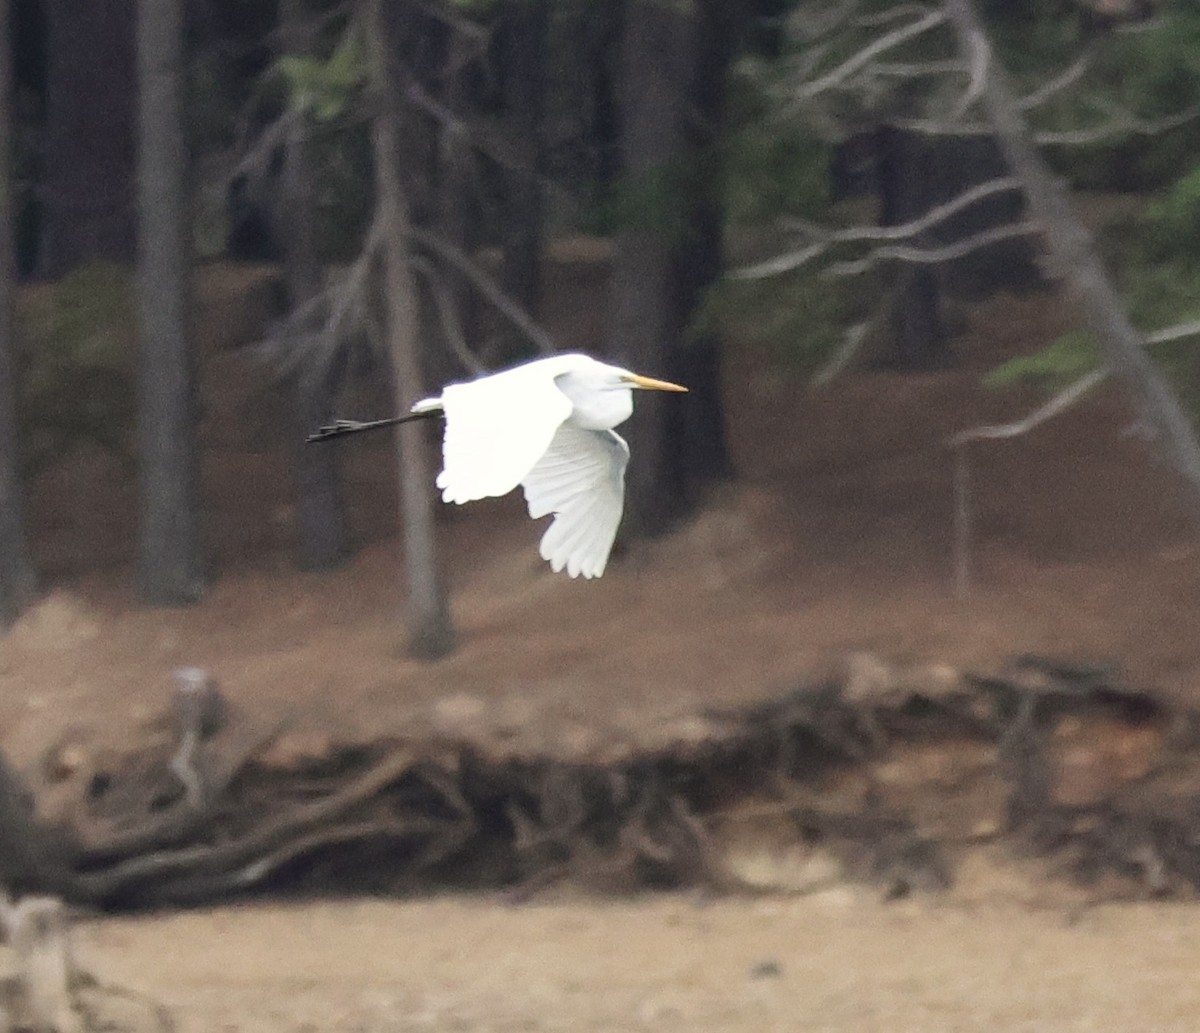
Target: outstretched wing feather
[[581, 480], [497, 428]]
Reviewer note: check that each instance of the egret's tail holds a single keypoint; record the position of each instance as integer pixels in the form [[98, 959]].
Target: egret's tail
[[425, 409]]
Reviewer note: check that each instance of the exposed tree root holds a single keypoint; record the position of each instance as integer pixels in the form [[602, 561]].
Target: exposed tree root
[[891, 773]]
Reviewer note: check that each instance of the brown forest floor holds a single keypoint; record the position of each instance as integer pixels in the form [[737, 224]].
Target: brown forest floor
[[835, 538]]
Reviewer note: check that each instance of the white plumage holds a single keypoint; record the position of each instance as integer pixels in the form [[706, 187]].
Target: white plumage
[[547, 426]]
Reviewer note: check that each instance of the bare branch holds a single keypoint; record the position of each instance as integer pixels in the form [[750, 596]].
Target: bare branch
[[931, 19], [962, 473], [448, 314], [1059, 403], [845, 352], [255, 159], [942, 127], [781, 264], [1174, 333], [916, 69], [828, 237], [486, 286], [874, 21], [444, 13], [1121, 123], [904, 231], [980, 60], [962, 524], [1073, 73], [351, 293], [820, 20], [312, 333], [481, 135], [1067, 397], [932, 256]]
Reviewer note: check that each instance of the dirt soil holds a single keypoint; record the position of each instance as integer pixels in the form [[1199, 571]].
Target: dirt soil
[[834, 539], [836, 961]]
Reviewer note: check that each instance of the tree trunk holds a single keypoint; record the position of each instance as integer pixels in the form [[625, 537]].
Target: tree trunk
[[657, 56], [17, 582], [1075, 259], [918, 335], [955, 165], [430, 632], [91, 98], [700, 256], [523, 71], [322, 539], [673, 65], [457, 214], [170, 567]]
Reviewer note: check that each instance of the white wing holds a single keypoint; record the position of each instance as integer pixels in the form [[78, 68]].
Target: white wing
[[497, 428], [581, 480]]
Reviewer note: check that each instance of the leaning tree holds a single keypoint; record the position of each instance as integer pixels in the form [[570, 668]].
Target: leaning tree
[[16, 570]]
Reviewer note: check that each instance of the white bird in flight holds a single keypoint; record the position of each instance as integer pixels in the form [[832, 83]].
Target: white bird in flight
[[546, 425]]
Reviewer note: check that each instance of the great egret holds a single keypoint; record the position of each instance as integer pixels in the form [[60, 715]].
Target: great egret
[[547, 426]]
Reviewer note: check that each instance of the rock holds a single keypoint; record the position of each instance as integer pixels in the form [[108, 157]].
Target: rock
[[67, 759], [932, 681], [453, 713], [869, 681], [770, 969], [60, 621]]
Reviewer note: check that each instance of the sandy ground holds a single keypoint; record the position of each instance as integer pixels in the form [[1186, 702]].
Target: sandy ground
[[836, 961]]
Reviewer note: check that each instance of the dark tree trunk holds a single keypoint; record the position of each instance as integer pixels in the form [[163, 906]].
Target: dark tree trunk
[[523, 70], [457, 215], [91, 104], [957, 165], [918, 335], [602, 128], [700, 258], [170, 567], [430, 632], [17, 582], [914, 174], [657, 56], [322, 539], [673, 64]]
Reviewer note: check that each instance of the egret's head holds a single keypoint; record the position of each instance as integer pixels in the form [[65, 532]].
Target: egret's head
[[602, 395]]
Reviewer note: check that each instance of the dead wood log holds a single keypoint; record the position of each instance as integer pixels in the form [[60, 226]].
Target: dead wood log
[[220, 859], [40, 994]]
